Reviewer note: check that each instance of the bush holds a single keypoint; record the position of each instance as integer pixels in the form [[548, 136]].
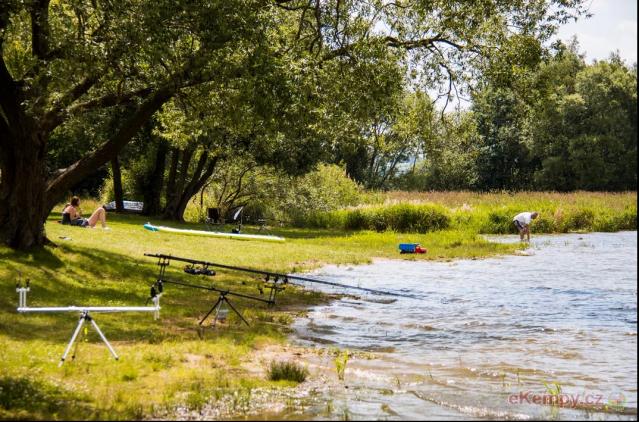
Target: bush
[[325, 189], [499, 222], [356, 220], [271, 194], [323, 220], [606, 222], [413, 218], [581, 219], [289, 371], [401, 217], [544, 224]]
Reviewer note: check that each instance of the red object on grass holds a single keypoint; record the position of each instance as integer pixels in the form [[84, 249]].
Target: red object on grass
[[419, 249]]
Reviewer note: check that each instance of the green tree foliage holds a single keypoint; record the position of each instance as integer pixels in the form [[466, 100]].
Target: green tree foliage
[[563, 125], [388, 137], [504, 160], [584, 124], [63, 60], [603, 148], [449, 156]]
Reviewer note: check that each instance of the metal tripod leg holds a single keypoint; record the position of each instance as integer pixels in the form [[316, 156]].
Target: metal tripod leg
[[83, 318], [73, 337], [235, 310], [212, 309], [104, 339]]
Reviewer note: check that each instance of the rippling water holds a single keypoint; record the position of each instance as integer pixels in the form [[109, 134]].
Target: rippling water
[[488, 336]]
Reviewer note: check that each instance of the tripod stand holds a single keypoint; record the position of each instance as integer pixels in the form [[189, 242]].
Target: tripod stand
[[84, 314], [84, 317], [218, 305]]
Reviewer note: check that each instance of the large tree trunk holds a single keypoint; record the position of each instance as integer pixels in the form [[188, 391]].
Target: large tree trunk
[[187, 185], [117, 185], [198, 181], [153, 185], [176, 184], [23, 211]]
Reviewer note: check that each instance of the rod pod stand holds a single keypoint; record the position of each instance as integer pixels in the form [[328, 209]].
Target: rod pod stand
[[84, 315], [218, 305], [165, 260]]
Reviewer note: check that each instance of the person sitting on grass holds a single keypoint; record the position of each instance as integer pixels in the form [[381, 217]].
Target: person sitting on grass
[[72, 210], [522, 222]]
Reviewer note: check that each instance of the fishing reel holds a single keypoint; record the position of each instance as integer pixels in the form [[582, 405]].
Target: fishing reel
[[204, 270], [156, 291], [157, 288], [275, 286]]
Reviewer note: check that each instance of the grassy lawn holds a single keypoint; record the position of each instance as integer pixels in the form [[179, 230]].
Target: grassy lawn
[[169, 362]]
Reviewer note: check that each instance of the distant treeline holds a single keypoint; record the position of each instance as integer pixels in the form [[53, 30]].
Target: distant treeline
[[564, 126]]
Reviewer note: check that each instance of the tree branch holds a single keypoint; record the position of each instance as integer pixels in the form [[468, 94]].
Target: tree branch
[[40, 28], [403, 44], [57, 186], [197, 184], [109, 100], [55, 116]]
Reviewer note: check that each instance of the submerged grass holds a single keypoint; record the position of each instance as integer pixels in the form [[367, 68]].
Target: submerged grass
[[288, 371], [169, 363]]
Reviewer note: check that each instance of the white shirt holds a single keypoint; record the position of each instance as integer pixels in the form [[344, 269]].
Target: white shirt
[[524, 218]]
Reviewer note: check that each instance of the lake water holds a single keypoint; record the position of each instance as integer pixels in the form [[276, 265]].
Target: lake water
[[491, 338]]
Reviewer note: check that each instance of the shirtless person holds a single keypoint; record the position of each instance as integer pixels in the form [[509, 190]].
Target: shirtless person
[[522, 222]]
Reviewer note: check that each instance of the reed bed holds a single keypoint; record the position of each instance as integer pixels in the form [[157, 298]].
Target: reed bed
[[489, 213]]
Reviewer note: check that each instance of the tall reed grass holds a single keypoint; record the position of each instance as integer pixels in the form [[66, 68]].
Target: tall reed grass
[[490, 213]]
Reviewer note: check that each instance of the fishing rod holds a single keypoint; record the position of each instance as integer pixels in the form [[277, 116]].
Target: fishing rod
[[220, 301], [285, 277], [158, 286]]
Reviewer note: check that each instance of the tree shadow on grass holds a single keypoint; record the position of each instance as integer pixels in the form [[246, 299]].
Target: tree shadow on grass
[[91, 277], [33, 399], [42, 257]]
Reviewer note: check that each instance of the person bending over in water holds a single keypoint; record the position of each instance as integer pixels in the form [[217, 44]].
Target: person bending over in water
[[72, 209], [522, 222]]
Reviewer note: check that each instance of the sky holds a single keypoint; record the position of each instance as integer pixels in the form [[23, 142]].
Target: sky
[[613, 26]]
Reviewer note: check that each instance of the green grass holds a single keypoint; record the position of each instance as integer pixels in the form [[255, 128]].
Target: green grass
[[169, 362]]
